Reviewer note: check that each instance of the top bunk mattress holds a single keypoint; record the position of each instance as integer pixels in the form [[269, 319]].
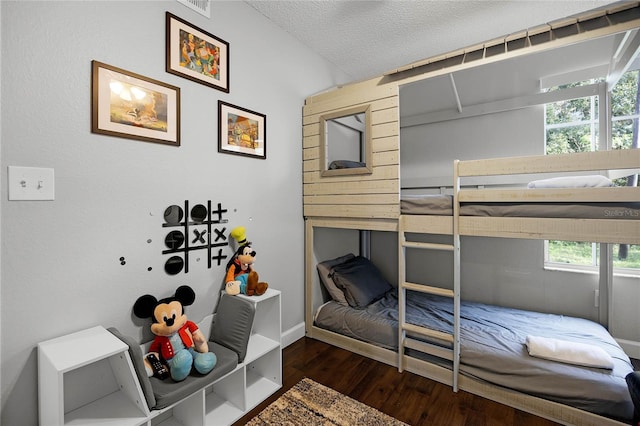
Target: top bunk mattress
[[437, 205], [493, 347], [442, 205]]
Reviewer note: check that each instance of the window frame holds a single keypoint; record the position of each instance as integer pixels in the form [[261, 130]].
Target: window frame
[[602, 118]]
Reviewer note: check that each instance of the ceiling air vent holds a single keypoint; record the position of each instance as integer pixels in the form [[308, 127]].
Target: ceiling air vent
[[203, 7]]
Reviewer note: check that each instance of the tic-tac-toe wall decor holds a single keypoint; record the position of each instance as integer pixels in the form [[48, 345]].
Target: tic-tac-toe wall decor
[[201, 228]]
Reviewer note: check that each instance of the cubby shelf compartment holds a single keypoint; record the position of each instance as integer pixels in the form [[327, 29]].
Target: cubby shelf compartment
[[185, 413], [263, 377], [260, 375], [225, 400], [93, 356]]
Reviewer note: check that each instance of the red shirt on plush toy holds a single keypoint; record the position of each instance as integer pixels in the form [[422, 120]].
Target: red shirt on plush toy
[[162, 344]]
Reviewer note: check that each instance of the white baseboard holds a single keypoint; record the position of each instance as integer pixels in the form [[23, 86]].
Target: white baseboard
[[291, 335], [631, 347]]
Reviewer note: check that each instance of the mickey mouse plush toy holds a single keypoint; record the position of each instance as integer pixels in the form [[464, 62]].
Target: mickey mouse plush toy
[[178, 342]]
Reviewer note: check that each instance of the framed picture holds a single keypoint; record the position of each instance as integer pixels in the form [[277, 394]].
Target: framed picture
[[241, 131], [196, 54], [128, 105]]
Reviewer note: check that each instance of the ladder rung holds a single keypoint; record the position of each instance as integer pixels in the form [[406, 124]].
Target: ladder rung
[[428, 289], [428, 332], [428, 348], [428, 246]]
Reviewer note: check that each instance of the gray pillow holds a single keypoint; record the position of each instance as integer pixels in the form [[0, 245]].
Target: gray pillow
[[232, 324], [361, 282], [324, 269], [346, 164]]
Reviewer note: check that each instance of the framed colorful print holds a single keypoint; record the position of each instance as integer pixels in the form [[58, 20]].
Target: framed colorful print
[[196, 54], [128, 105], [241, 131]]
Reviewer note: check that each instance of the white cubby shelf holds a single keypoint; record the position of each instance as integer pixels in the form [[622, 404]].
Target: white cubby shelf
[[87, 378]]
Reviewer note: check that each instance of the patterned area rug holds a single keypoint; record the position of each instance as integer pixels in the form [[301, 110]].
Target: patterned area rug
[[310, 403]]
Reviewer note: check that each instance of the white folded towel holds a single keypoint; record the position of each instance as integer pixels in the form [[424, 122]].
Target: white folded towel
[[569, 352], [592, 181]]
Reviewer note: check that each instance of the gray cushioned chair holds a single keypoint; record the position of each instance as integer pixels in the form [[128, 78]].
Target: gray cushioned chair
[[230, 334]]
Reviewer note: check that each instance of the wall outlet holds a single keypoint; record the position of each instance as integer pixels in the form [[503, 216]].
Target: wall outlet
[[31, 183]]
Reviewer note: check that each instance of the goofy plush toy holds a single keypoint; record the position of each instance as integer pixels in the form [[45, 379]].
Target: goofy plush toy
[[241, 278], [178, 342]]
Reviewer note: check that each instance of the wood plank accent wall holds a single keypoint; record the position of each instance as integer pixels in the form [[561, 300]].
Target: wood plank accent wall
[[375, 195]]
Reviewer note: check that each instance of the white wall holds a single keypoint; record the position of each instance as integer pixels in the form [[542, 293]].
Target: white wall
[[505, 272], [428, 151], [61, 269], [625, 299]]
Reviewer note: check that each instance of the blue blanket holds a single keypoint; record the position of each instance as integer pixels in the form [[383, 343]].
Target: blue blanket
[[493, 348]]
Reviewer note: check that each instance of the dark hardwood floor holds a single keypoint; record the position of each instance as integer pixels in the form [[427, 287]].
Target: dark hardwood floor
[[408, 397]]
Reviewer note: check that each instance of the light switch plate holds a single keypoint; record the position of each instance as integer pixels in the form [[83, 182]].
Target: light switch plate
[[31, 183]]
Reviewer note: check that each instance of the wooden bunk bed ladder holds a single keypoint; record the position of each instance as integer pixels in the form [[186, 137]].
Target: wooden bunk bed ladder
[[405, 341]]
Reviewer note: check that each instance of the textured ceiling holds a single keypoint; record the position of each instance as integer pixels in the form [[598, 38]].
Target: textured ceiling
[[368, 38]]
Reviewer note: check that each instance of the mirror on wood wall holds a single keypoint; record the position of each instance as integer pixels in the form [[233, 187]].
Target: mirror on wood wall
[[345, 142]]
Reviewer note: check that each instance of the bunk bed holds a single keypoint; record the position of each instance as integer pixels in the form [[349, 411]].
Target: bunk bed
[[446, 351]]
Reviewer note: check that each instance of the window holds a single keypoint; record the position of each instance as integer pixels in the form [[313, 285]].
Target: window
[[586, 256], [572, 126]]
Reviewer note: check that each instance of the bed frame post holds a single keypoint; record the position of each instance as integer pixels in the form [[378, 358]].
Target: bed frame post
[[308, 270], [456, 275], [402, 292], [605, 280]]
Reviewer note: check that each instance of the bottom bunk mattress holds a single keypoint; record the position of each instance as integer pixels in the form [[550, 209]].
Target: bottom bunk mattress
[[493, 347]]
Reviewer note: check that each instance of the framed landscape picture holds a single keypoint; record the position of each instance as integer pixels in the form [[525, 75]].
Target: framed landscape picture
[[129, 105], [241, 131], [197, 55]]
